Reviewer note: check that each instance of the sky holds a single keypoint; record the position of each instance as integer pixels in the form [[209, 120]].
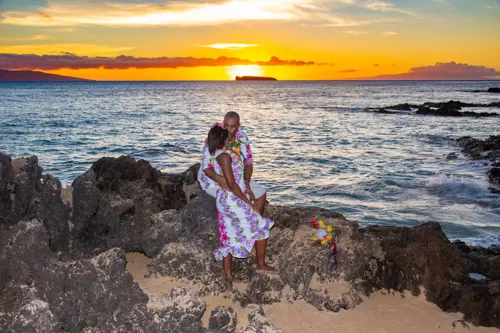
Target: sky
[[285, 39]]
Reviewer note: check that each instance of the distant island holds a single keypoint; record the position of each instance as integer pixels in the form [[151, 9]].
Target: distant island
[[255, 78], [6, 75]]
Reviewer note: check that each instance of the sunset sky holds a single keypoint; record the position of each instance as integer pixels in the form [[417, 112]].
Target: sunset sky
[[286, 39]]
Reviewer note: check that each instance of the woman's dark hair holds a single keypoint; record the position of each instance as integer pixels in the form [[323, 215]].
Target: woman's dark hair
[[216, 138]]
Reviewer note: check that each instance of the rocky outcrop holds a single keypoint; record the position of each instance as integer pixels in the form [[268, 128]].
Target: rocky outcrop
[[494, 175], [222, 320], [488, 149], [118, 200], [44, 294], [26, 194], [65, 272], [444, 109], [448, 283]]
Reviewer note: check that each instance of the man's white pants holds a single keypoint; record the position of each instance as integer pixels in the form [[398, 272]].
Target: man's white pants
[[258, 190]]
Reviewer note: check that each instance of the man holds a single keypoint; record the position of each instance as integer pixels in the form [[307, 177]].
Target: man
[[210, 181]]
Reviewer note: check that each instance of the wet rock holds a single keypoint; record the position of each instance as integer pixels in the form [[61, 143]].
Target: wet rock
[[494, 175], [403, 107], [494, 190], [446, 109], [424, 109], [449, 109], [488, 149], [382, 110], [452, 156]]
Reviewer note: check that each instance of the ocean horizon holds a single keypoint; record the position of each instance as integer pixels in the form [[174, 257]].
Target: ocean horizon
[[313, 142]]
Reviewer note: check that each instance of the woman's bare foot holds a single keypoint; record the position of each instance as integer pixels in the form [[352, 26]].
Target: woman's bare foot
[[266, 268]]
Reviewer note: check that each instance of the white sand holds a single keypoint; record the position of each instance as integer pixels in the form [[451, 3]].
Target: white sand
[[380, 313]]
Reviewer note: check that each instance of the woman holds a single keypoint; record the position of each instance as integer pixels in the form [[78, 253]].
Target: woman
[[240, 226]]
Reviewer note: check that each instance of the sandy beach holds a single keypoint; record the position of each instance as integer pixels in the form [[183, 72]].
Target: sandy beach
[[382, 312]]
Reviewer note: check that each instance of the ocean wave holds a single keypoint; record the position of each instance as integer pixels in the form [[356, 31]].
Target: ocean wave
[[462, 190]]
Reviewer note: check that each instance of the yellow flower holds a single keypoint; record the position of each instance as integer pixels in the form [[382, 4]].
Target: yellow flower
[[314, 231], [323, 242], [329, 238], [329, 228], [315, 238], [321, 223], [237, 150]]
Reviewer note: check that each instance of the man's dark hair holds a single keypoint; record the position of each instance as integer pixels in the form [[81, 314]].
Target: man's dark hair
[[232, 114], [216, 138]]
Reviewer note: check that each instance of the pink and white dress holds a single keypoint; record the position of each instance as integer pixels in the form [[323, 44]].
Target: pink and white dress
[[239, 225]]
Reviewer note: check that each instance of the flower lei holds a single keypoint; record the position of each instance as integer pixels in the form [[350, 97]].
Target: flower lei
[[235, 147], [323, 234]]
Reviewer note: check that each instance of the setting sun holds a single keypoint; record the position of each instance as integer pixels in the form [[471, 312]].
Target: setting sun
[[244, 70]]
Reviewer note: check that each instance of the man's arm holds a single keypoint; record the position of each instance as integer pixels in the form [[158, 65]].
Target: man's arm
[[248, 172]]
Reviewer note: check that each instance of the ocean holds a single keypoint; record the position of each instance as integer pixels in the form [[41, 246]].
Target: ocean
[[312, 143]]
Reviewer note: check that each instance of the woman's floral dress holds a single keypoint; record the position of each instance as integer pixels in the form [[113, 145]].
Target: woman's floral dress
[[239, 225]]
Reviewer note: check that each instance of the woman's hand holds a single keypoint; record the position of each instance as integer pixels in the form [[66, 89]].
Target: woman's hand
[[222, 182]]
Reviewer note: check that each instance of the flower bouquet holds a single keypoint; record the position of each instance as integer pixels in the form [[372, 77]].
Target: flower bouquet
[[323, 234]]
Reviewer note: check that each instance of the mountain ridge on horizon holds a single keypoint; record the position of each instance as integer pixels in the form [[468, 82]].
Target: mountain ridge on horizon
[[26, 75]]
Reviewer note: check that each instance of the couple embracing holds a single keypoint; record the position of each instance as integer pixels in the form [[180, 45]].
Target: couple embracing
[[226, 174]]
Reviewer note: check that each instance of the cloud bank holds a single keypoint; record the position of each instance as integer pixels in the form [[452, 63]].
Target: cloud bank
[[73, 61]]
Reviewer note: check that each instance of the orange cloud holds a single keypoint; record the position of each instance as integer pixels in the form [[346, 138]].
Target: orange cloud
[[73, 61], [443, 71]]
